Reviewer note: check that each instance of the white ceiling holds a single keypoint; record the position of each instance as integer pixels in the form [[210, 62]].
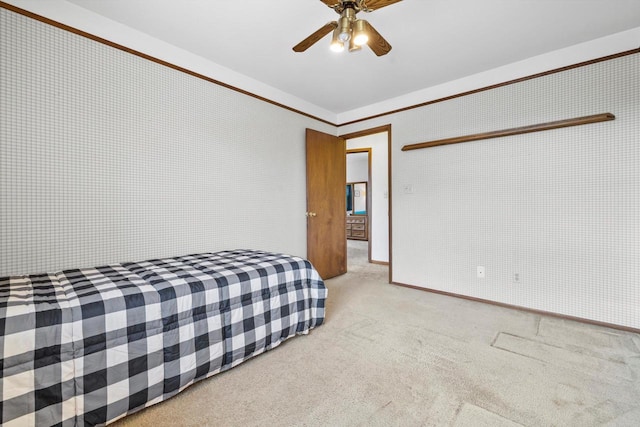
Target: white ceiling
[[434, 41]]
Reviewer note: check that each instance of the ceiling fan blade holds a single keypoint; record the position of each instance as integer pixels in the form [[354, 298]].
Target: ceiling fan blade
[[331, 3], [376, 4], [313, 38], [376, 42]]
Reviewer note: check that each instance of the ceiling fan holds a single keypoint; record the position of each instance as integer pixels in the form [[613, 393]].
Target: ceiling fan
[[348, 31]]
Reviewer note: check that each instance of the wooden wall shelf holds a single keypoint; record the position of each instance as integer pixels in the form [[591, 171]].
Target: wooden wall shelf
[[514, 131]]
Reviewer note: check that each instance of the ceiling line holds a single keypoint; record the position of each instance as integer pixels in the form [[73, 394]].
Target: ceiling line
[[497, 85], [142, 55], [106, 42]]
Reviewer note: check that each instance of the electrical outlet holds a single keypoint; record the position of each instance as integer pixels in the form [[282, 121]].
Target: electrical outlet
[[516, 277], [480, 272], [408, 189]]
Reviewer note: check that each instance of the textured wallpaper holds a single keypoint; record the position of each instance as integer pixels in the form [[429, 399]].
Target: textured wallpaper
[[107, 157], [553, 216]]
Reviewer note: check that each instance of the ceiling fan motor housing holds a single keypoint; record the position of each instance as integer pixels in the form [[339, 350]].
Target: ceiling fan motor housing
[[345, 5]]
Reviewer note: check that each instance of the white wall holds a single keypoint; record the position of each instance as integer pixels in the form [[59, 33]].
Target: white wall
[[560, 208], [378, 192], [357, 167], [107, 157]]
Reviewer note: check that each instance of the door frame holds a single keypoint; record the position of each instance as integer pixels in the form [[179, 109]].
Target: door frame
[[371, 131]]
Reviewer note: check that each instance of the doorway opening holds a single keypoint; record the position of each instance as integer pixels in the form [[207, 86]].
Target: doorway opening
[[358, 206], [374, 145]]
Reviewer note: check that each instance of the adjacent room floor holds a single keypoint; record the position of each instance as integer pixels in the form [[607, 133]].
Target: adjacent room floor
[[357, 255], [391, 356]]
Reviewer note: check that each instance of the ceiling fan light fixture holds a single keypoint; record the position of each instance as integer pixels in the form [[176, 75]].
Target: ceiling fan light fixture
[[336, 44], [360, 36], [353, 47], [344, 28]]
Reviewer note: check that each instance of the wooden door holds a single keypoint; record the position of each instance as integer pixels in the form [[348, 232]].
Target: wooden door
[[326, 203]]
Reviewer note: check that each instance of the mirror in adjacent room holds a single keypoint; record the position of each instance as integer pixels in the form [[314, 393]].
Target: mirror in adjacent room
[[356, 198]]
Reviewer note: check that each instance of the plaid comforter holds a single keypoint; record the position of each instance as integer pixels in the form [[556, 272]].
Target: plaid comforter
[[86, 347]]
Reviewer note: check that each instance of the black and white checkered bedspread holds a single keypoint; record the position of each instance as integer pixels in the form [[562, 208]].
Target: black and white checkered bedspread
[[85, 347]]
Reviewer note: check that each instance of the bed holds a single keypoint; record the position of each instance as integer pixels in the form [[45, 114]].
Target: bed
[[89, 346]]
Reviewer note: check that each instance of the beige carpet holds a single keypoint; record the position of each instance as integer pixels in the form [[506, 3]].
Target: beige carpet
[[390, 356]]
